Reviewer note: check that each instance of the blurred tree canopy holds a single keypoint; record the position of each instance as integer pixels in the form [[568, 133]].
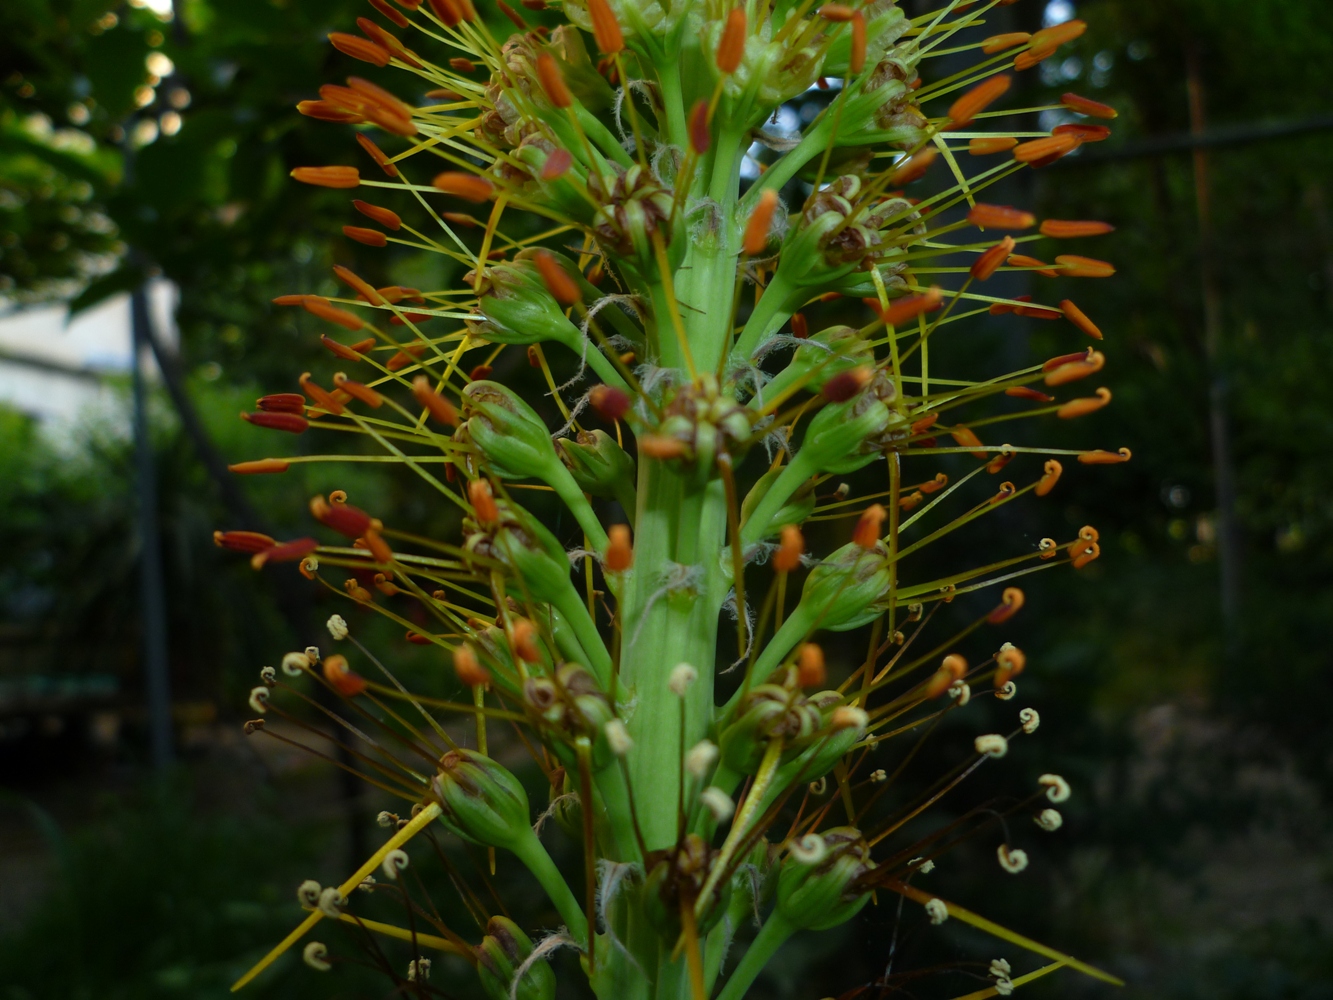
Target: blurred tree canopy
[[1196, 745]]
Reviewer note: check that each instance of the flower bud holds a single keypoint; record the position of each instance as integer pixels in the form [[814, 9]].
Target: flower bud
[[840, 593], [483, 802], [504, 948], [600, 466], [508, 432], [823, 893]]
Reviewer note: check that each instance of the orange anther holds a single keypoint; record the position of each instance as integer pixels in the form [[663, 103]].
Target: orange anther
[[1050, 476], [330, 177], [619, 551], [756, 228], [810, 669], [1085, 405], [868, 526], [790, 549], [976, 100], [483, 501], [1011, 602]]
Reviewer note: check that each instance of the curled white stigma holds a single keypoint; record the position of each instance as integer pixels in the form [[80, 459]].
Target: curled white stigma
[[700, 758], [718, 803], [337, 626], [315, 955], [992, 745], [1030, 720], [1012, 859], [937, 911], [1057, 789]]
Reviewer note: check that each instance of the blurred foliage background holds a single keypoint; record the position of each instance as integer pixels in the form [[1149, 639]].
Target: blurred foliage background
[[1197, 860]]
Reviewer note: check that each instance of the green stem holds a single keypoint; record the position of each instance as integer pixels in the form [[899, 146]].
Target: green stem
[[772, 936], [770, 312], [530, 851]]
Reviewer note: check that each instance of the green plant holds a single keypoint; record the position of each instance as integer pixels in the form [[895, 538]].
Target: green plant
[[671, 775]]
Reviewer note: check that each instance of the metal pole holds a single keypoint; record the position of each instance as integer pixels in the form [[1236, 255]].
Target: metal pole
[[151, 588]]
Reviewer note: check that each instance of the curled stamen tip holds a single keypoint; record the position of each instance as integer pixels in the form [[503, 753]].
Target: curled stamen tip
[[1012, 859], [937, 911], [682, 676]]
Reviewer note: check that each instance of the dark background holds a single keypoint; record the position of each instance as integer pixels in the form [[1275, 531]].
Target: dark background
[[1183, 679]]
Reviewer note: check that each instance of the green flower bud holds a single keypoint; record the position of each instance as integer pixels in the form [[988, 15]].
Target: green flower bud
[[508, 432], [769, 712], [835, 441], [817, 883], [600, 466], [518, 309], [482, 801], [820, 357], [504, 948], [841, 592]]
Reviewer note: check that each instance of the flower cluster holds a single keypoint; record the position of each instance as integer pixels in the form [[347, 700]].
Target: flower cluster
[[746, 315]]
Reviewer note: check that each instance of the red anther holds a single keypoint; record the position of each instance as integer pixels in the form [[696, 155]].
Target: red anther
[[469, 187], [1000, 217], [1076, 316], [1039, 149], [376, 154], [955, 665], [523, 641], [284, 552], [1063, 359], [282, 402], [989, 262], [292, 423], [558, 282], [845, 385], [553, 81], [1072, 229], [405, 356], [1084, 133], [1023, 392], [341, 350], [790, 549], [483, 501], [991, 144], [605, 29], [1100, 457], [1084, 405], [1000, 461], [1009, 663], [362, 287], [370, 237], [330, 177], [243, 541], [731, 47], [440, 409], [342, 517], [1011, 602], [418, 639], [609, 402], [360, 48], [378, 547], [700, 139], [1089, 552], [800, 328], [340, 676], [619, 550], [1074, 370], [933, 485], [924, 424], [911, 501], [1084, 267], [480, 373], [914, 167], [868, 526], [259, 466], [469, 668], [1087, 106], [554, 168], [386, 218], [976, 100], [937, 684], [1058, 34], [322, 397], [1005, 491], [912, 306], [967, 437], [1050, 476], [810, 669], [317, 306], [386, 586], [757, 226]]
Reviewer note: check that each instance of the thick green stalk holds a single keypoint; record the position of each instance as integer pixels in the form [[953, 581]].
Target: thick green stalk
[[772, 936], [530, 851]]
